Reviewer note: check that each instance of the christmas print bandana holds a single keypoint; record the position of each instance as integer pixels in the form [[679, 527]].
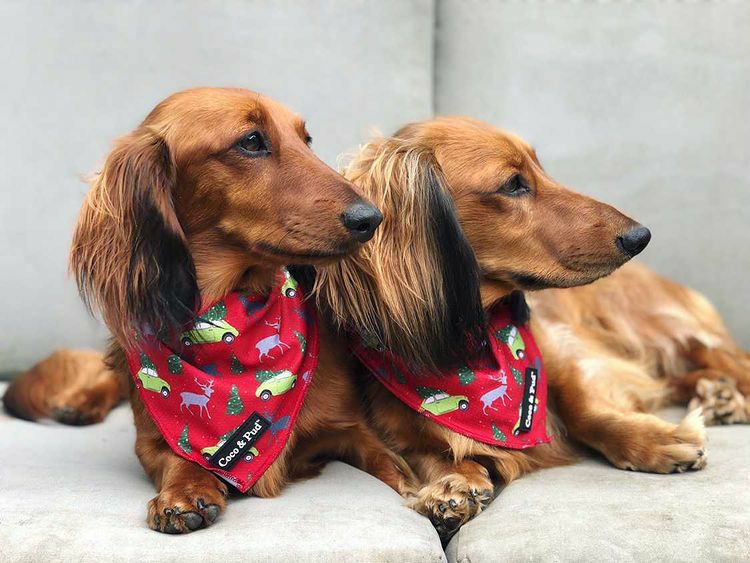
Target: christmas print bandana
[[499, 399], [227, 399]]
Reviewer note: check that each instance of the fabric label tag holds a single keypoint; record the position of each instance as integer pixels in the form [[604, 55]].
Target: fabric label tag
[[238, 444], [528, 405]]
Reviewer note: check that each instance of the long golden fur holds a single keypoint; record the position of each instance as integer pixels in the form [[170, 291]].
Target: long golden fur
[[214, 191], [613, 350], [467, 207]]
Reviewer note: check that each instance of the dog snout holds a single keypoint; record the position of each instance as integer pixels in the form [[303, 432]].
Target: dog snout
[[361, 219], [634, 241]]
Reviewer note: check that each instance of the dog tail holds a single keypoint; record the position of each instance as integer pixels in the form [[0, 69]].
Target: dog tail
[[72, 386]]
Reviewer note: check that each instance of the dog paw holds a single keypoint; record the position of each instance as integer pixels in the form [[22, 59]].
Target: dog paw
[[181, 511], [721, 402], [660, 447], [82, 407], [453, 500]]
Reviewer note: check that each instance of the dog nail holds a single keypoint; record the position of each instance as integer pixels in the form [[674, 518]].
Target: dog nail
[[168, 512], [442, 508], [452, 503], [201, 504]]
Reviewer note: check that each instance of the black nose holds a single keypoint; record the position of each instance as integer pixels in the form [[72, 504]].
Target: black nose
[[361, 219], [634, 241]]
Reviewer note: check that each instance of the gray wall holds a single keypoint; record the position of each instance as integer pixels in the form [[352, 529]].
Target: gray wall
[[645, 105], [77, 74]]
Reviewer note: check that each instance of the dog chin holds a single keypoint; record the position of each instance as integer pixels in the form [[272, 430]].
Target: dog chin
[[307, 255], [533, 282]]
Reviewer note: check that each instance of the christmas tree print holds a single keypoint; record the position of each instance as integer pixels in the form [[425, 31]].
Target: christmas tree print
[[504, 333], [263, 375], [184, 441], [302, 341], [498, 434], [146, 362], [426, 392], [234, 404], [466, 375], [175, 364], [517, 375], [237, 367], [216, 313]]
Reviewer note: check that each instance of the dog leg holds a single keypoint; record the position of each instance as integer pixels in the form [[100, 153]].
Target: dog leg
[[453, 493], [189, 497], [369, 453], [358, 445], [731, 362], [628, 439], [278, 475], [720, 386], [71, 386]]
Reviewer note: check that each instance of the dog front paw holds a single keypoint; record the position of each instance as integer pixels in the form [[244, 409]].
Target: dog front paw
[[453, 500], [179, 511], [652, 445]]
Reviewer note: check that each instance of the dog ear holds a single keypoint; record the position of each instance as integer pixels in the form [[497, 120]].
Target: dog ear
[[414, 288], [129, 254], [462, 317], [520, 313]]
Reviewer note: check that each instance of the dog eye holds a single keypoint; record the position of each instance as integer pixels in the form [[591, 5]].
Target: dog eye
[[515, 185], [253, 144]]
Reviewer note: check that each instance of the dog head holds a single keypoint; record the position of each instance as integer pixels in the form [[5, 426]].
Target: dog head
[[214, 190], [468, 211]]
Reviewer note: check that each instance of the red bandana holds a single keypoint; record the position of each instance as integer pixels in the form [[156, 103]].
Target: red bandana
[[500, 399], [227, 399]]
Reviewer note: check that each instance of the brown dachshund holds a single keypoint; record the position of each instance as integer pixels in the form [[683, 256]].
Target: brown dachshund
[[504, 226], [613, 350], [212, 192]]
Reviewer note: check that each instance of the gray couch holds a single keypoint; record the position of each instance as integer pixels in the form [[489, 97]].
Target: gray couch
[[643, 105]]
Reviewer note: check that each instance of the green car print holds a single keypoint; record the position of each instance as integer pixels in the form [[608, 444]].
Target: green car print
[[290, 285], [251, 454], [207, 332], [151, 381], [279, 384], [511, 337], [443, 403]]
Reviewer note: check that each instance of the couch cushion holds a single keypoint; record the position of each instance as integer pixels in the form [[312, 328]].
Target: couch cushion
[[80, 494], [593, 512]]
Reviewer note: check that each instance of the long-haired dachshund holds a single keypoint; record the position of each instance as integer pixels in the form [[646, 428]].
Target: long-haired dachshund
[[470, 218], [212, 192]]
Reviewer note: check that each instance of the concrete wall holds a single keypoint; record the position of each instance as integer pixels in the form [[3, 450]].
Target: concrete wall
[[645, 105], [78, 74]]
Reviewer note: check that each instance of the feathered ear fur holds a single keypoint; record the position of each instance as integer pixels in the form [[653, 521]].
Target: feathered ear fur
[[520, 314], [129, 255], [415, 287]]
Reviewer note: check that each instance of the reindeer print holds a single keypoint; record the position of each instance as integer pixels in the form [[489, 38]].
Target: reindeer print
[[499, 392], [268, 344], [189, 399]]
